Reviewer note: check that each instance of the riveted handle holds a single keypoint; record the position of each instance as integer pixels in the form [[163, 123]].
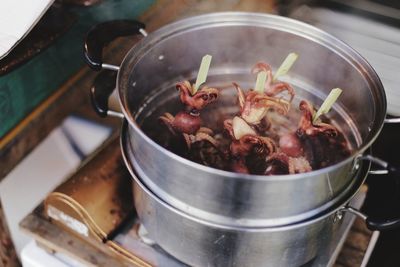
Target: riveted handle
[[102, 34]]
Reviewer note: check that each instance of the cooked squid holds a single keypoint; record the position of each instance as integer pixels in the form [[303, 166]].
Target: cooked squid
[[248, 143]]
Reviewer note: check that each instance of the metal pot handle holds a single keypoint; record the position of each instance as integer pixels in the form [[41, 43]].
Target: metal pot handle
[[102, 34], [388, 168], [96, 39], [392, 120], [372, 223], [102, 88]]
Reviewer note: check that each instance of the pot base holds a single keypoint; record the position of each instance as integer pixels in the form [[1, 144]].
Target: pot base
[[199, 242]]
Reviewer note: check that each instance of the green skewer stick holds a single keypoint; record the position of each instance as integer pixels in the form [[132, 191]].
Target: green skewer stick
[[260, 83], [203, 72], [328, 103], [286, 65]]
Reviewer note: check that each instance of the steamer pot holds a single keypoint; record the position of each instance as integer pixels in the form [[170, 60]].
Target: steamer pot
[[145, 82], [199, 242]]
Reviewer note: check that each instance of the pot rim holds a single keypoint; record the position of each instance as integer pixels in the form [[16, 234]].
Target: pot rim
[[245, 18], [273, 228]]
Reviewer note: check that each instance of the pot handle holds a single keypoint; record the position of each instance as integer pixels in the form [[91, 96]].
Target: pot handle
[[388, 168], [392, 120], [372, 223], [102, 88], [102, 34]]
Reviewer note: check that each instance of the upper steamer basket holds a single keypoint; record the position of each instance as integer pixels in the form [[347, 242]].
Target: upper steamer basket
[[236, 41]]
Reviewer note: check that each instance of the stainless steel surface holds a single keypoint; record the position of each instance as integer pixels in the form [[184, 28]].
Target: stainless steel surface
[[110, 67], [199, 242], [392, 120], [241, 217], [378, 172], [143, 32], [115, 114], [326, 257], [375, 160], [236, 41], [354, 211]]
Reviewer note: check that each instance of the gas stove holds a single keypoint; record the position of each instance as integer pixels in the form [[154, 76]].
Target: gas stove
[[94, 209]]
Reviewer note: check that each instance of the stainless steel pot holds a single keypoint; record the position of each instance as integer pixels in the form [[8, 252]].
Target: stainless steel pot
[[199, 242], [145, 84]]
